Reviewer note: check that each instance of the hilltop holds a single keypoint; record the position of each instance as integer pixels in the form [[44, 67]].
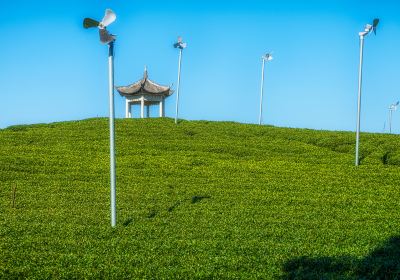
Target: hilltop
[[197, 200]]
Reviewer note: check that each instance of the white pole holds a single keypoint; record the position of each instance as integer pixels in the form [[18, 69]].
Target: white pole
[[390, 120], [262, 91], [178, 86], [112, 133], [142, 108], [359, 99]]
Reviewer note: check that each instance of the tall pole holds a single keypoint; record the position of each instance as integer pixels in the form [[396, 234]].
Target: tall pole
[[359, 99], [262, 90], [112, 133], [178, 86], [390, 120]]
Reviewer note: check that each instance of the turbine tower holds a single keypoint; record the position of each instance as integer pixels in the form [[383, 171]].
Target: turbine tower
[[107, 38], [179, 45], [368, 29], [392, 108], [267, 57]]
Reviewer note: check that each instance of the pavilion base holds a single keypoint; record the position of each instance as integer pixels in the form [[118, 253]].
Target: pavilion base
[[143, 102]]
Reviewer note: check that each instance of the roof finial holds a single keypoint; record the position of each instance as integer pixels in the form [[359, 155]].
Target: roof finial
[[145, 75]]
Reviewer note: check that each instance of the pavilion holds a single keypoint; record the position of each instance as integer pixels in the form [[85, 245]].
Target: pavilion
[[145, 93]]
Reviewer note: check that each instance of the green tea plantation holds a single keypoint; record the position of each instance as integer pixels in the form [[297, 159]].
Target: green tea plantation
[[197, 200]]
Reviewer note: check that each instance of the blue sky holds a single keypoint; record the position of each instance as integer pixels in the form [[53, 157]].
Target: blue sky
[[54, 70]]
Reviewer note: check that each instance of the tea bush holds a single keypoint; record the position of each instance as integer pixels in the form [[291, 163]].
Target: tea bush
[[196, 200]]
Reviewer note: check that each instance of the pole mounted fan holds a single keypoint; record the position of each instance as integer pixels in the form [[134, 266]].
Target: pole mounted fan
[[268, 57], [394, 106], [180, 44], [370, 28], [367, 30], [105, 36]]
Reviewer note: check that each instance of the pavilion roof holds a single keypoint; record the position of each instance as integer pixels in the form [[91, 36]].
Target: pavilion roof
[[144, 86]]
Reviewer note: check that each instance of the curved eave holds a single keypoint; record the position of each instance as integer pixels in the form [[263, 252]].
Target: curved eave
[[144, 87]]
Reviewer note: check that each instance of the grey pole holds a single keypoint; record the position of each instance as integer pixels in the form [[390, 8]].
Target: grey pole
[[390, 120], [112, 133], [262, 91], [359, 99], [178, 86]]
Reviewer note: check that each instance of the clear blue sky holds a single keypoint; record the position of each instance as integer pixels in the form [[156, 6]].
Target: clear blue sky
[[54, 70]]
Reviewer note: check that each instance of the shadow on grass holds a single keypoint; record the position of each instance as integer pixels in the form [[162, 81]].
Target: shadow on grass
[[198, 198], [382, 263], [127, 222]]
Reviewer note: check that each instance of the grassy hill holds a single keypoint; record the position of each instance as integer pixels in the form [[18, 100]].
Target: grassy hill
[[199, 200]]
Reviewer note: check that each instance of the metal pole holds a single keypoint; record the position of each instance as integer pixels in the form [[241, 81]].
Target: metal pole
[[390, 120], [262, 91], [112, 133], [359, 99], [178, 86]]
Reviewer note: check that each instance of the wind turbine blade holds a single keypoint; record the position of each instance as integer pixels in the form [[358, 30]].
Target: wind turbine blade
[[105, 36], [375, 24], [88, 23], [108, 18], [268, 57]]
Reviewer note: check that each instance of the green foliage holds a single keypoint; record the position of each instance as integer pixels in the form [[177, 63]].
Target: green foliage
[[197, 200]]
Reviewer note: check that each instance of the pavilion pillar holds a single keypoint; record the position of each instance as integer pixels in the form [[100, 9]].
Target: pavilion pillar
[[128, 109], [142, 108], [162, 109], [148, 111]]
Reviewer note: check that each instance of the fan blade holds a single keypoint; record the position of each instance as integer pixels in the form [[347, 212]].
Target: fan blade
[[268, 57], [108, 18], [375, 24], [88, 23], [105, 36]]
